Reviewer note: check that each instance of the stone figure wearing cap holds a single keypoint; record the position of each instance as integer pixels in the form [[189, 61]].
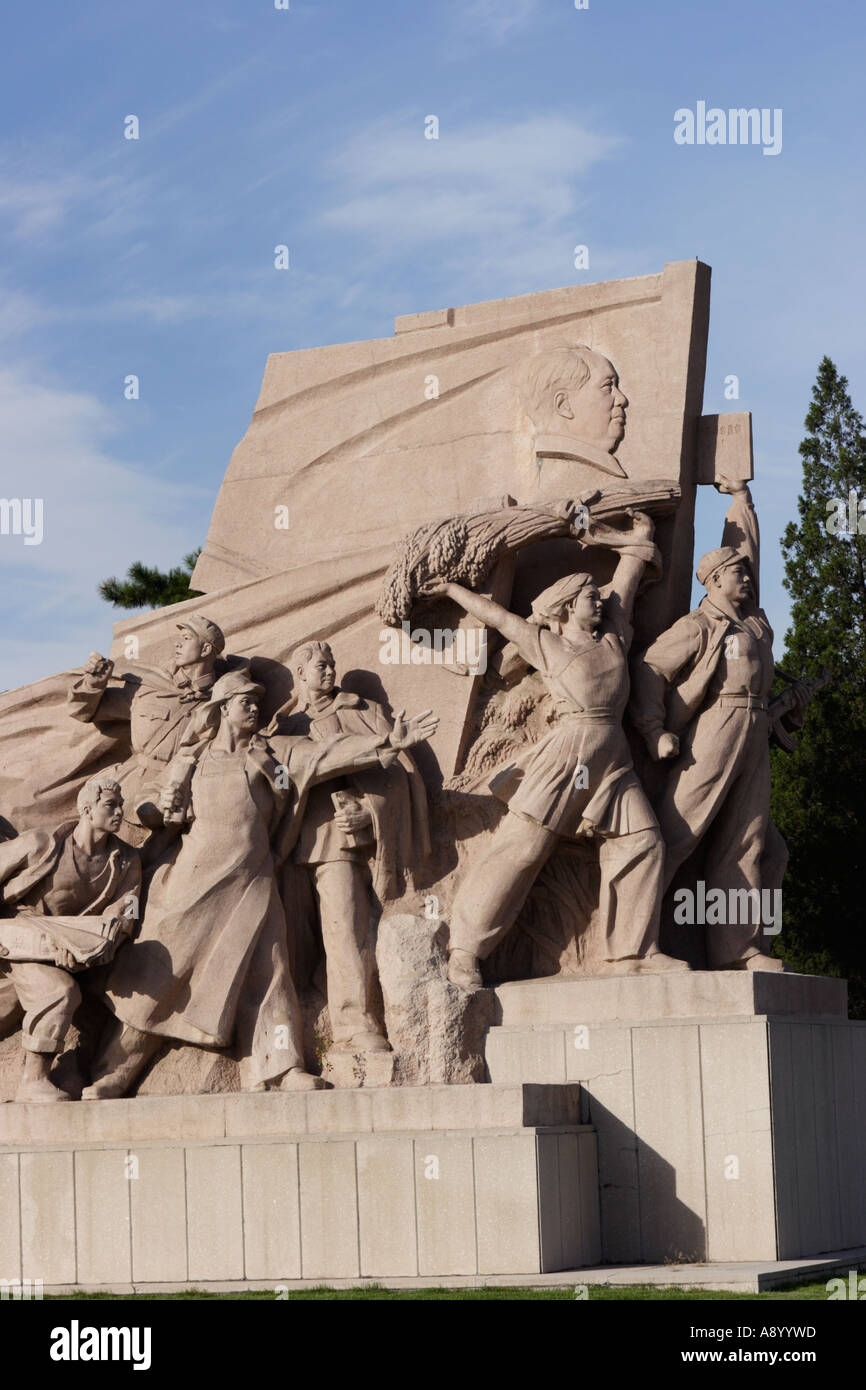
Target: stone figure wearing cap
[[156, 705], [372, 820], [79, 870], [576, 781], [211, 965], [700, 697]]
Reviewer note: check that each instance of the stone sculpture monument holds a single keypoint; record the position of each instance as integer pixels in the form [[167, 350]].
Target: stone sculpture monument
[[463, 917]]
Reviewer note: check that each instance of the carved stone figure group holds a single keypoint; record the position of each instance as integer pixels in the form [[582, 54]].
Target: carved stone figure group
[[699, 695], [191, 920], [217, 813]]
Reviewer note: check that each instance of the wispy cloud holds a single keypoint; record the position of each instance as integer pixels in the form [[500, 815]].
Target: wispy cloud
[[495, 190], [20, 314], [78, 204], [100, 513], [497, 18], [101, 191], [31, 207]]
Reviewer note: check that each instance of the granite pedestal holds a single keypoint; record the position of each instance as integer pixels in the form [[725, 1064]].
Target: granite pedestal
[[730, 1107], [249, 1188]]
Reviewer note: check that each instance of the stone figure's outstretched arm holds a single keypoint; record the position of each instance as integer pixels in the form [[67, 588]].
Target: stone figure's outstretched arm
[[308, 762], [344, 753], [341, 754], [514, 629], [741, 530], [90, 696]]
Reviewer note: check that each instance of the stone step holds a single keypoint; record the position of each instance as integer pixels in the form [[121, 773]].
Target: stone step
[[273, 1113], [420, 1183]]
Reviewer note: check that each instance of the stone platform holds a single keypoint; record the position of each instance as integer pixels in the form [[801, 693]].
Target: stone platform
[[249, 1188], [712, 1119], [745, 1277], [730, 1107]]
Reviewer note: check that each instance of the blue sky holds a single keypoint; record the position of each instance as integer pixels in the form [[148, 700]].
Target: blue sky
[[305, 127]]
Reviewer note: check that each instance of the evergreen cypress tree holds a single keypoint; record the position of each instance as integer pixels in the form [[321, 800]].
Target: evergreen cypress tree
[[146, 587], [819, 791]]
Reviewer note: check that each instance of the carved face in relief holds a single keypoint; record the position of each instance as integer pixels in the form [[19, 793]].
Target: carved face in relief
[[733, 583], [573, 398], [107, 812], [190, 649], [585, 612], [596, 409], [318, 675], [241, 712]]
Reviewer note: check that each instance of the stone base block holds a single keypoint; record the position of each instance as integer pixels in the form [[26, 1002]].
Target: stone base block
[[727, 1137], [349, 1070], [686, 994], [406, 1183]]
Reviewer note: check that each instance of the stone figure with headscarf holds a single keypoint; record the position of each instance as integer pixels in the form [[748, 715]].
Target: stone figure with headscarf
[[578, 780]]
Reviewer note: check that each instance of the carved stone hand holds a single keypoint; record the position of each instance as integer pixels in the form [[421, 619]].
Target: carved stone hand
[[407, 732], [97, 670]]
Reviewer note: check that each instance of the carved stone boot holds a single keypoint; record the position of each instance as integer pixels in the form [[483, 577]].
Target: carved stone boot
[[36, 1086], [120, 1063], [757, 961], [298, 1080], [464, 971]]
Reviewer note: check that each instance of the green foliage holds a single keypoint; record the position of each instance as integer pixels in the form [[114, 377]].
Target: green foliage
[[819, 791], [144, 587]]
